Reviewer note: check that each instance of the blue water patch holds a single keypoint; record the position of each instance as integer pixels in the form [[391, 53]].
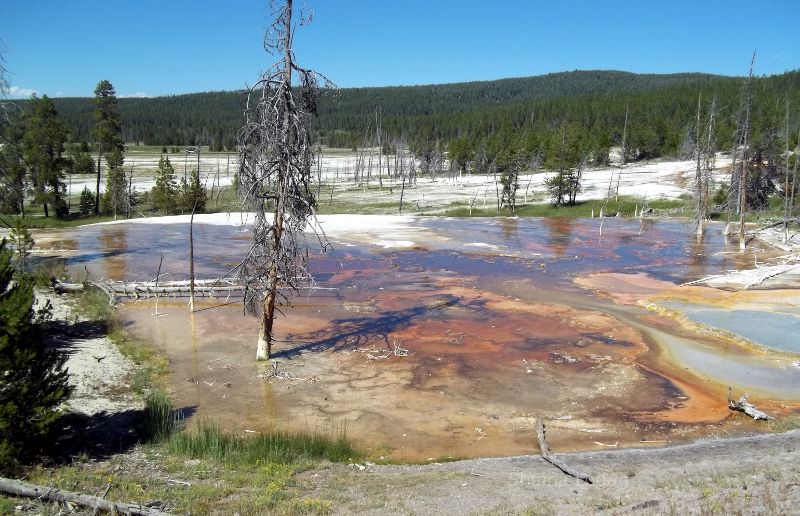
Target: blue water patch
[[775, 330]]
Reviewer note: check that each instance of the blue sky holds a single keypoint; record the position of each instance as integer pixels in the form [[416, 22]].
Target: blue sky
[[149, 47]]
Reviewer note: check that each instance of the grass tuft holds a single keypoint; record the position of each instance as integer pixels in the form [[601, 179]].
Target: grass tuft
[[207, 440], [160, 420]]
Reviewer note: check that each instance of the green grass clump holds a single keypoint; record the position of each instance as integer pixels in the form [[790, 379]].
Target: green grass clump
[[208, 441], [160, 420], [94, 305]]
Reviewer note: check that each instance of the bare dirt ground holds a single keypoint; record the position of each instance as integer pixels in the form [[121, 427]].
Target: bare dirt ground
[[751, 475]]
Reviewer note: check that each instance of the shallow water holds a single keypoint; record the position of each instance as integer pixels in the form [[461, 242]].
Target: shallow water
[[777, 330], [499, 331]]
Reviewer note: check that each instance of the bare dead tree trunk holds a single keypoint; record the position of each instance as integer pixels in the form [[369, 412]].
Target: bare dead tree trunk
[[786, 173], [625, 133], [264, 350], [97, 188], [191, 259], [402, 176], [129, 204], [380, 149], [51, 494], [698, 177], [745, 133], [276, 160]]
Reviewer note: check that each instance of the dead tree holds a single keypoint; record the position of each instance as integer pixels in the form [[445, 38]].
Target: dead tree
[[786, 194], [740, 155], [276, 158], [794, 181], [625, 133], [705, 152]]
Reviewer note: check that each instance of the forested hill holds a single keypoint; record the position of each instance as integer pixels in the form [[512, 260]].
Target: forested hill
[[662, 104]]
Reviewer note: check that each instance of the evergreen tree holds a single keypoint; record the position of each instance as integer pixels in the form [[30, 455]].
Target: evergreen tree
[[33, 381], [81, 160], [460, 153], [45, 136], [13, 173], [564, 156], [116, 199], [766, 155], [106, 132], [193, 194], [165, 193], [87, 201]]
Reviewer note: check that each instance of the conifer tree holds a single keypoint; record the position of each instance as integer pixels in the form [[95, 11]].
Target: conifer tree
[[45, 136], [87, 201], [33, 381], [107, 132], [165, 191], [193, 194]]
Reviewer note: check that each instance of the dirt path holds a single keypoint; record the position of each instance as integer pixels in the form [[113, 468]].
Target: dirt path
[[750, 475]]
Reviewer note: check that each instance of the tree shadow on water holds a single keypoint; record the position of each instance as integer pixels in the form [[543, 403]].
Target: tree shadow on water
[[355, 332]]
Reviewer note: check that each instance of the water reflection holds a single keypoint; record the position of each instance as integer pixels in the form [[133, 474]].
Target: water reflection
[[560, 234]]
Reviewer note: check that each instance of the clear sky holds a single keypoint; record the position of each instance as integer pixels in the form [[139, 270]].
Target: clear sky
[[162, 47]]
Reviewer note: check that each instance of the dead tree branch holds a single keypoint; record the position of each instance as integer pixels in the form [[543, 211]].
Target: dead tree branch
[[545, 449]]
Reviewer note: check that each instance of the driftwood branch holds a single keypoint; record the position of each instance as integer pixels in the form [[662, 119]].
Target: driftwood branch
[[742, 405], [545, 449], [51, 494]]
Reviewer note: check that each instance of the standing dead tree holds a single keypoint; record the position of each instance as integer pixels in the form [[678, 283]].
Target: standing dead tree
[[705, 154], [738, 189], [276, 159]]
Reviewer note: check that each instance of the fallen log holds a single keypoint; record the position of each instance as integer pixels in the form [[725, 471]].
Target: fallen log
[[51, 494], [545, 450], [742, 405], [746, 279], [208, 287]]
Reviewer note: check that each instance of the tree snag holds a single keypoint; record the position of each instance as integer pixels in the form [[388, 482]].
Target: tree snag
[[276, 157]]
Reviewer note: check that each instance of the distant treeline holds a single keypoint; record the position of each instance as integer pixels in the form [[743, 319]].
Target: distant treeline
[[661, 109]]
